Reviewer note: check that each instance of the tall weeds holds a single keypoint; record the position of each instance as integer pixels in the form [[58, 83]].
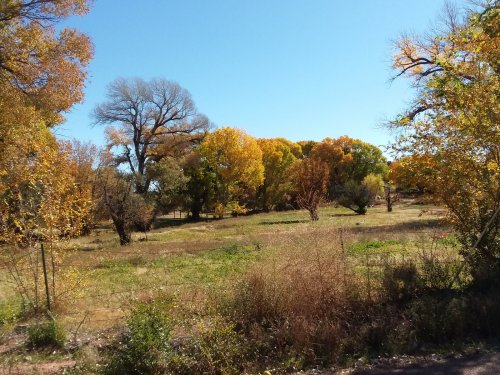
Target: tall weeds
[[310, 304]]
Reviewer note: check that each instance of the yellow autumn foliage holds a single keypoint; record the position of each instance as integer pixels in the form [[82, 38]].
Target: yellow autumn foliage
[[236, 158]]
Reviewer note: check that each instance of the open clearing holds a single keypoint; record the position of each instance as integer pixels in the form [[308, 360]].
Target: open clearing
[[188, 259]]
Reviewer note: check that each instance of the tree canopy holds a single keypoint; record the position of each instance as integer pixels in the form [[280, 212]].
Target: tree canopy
[[149, 120], [46, 65], [236, 159], [453, 125]]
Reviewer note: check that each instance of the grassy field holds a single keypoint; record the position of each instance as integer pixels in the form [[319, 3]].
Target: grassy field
[[189, 260]]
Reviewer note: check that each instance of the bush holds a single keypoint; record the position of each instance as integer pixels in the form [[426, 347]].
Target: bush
[[401, 282], [356, 197], [443, 271], [145, 344], [213, 347], [236, 209], [309, 306], [209, 346], [305, 307], [46, 334], [374, 183], [219, 210]]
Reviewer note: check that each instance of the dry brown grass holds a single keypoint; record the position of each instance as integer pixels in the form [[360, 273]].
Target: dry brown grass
[[304, 297], [313, 303]]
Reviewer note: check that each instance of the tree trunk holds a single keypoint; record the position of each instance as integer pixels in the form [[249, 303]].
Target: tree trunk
[[313, 212], [388, 198], [122, 231], [196, 210]]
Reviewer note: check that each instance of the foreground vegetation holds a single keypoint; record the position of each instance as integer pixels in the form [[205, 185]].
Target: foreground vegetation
[[268, 291]]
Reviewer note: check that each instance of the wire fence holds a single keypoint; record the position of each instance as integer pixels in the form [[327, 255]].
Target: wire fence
[[94, 304]]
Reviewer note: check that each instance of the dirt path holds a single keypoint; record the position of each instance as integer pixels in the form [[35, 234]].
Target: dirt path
[[478, 364], [40, 368]]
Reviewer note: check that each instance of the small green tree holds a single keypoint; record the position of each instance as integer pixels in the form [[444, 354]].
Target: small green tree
[[126, 208], [201, 184], [356, 197]]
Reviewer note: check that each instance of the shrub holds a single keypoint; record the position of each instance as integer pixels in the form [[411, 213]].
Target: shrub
[[145, 344], [213, 347], [401, 282], [305, 307], [48, 333], [209, 346], [219, 210], [236, 209], [356, 197], [442, 270], [9, 312], [311, 305], [374, 183]]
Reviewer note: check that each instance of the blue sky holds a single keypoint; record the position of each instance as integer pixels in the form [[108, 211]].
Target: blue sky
[[300, 69]]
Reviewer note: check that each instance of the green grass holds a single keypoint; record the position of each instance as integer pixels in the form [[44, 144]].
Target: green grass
[[186, 258], [370, 247]]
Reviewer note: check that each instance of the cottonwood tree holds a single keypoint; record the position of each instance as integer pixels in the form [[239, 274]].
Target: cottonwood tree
[[349, 159], [339, 161], [46, 65], [236, 159], [117, 200], [149, 121], [453, 126], [201, 185], [279, 157], [306, 147], [168, 183], [42, 74], [83, 156], [40, 200]]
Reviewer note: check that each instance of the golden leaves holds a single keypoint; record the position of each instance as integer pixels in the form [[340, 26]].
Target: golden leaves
[[47, 66], [236, 158]]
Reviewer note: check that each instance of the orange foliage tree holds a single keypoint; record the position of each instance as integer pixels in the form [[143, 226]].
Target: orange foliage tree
[[46, 65], [311, 181], [348, 159]]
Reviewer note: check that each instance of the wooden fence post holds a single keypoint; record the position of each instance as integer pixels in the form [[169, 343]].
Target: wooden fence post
[[45, 277]]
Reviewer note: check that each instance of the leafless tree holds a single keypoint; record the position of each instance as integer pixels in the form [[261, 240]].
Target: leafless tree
[[149, 120]]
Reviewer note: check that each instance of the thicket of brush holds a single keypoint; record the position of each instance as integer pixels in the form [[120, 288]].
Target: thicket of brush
[[311, 305]]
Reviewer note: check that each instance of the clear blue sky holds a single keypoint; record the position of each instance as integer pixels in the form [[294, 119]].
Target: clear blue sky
[[301, 69]]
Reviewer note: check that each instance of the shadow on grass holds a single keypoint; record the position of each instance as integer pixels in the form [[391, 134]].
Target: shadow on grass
[[283, 222], [168, 222], [409, 226], [345, 214]]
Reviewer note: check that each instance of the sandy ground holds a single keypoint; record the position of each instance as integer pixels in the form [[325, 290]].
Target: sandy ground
[[479, 364]]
